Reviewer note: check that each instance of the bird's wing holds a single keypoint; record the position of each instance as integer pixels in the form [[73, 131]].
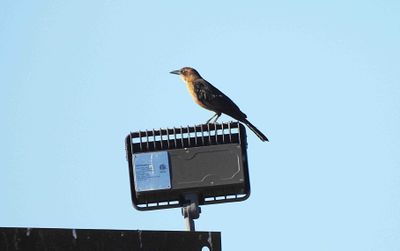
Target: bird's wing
[[215, 100]]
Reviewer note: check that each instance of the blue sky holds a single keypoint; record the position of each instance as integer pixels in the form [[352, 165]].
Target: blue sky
[[320, 79]]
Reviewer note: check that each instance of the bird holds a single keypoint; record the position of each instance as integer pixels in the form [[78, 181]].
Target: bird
[[210, 98]]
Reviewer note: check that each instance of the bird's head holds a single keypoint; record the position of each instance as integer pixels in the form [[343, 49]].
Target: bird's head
[[187, 74]]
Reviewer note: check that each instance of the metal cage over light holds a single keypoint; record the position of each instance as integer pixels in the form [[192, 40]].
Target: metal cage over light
[[208, 160]]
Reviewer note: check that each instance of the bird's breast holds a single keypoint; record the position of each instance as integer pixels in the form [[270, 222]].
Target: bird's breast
[[194, 95]]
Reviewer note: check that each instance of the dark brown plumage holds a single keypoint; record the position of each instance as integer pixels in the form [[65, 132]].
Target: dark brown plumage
[[209, 97]]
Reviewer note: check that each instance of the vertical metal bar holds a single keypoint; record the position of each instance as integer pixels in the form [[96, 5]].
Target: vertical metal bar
[[191, 211], [147, 138], [154, 140], [216, 133], [239, 135], [202, 134], [174, 130], [195, 135], [223, 133], [189, 223], [161, 139], [168, 138], [130, 146], [209, 133], [182, 141], [230, 132], [140, 141], [188, 135]]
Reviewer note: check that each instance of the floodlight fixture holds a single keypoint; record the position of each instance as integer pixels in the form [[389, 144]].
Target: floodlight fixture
[[188, 166]]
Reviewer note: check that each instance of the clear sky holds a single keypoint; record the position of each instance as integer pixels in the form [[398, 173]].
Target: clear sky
[[320, 78]]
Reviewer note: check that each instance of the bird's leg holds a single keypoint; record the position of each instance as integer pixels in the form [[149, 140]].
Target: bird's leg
[[218, 115], [208, 121]]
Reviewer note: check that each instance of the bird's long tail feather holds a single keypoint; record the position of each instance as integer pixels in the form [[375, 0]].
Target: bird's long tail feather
[[255, 130]]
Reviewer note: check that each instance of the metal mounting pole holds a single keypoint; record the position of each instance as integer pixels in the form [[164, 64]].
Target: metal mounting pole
[[191, 211]]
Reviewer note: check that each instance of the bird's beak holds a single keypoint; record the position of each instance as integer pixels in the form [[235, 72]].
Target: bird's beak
[[177, 72]]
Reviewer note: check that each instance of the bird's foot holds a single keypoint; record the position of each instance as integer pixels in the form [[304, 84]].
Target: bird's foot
[[216, 118], [215, 115]]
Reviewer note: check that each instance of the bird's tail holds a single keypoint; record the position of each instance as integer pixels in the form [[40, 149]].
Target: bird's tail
[[255, 130]]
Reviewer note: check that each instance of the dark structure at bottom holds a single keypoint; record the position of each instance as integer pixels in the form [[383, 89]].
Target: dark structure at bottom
[[55, 239]]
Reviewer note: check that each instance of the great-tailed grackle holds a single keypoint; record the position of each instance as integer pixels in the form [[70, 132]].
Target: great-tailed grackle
[[209, 97]]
